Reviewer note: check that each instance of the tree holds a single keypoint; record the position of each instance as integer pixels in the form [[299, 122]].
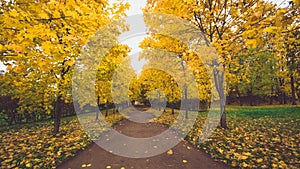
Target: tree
[[44, 38], [260, 79], [161, 83], [224, 23], [288, 42], [109, 76]]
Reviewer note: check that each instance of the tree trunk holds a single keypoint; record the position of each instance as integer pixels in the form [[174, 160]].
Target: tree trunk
[[223, 121], [159, 103], [239, 98], [173, 108], [186, 102], [106, 107], [293, 90], [219, 84], [172, 104], [57, 115], [250, 97], [117, 108], [282, 93], [284, 98], [98, 104], [271, 100], [164, 105]]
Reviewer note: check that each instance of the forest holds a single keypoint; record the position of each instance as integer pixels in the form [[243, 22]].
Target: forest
[[64, 71]]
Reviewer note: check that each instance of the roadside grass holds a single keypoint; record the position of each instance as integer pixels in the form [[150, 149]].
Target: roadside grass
[[257, 137], [34, 146]]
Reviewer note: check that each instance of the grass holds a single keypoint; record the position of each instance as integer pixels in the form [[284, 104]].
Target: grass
[[258, 137], [34, 146]]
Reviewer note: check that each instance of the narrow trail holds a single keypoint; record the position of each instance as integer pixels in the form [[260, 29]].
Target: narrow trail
[[182, 156]]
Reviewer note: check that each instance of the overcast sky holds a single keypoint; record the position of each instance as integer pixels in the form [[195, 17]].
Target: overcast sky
[[136, 21]]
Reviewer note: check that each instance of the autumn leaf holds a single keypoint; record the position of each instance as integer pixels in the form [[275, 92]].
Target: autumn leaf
[[170, 152]]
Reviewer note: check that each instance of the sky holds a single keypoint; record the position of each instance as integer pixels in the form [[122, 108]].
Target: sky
[[138, 29], [136, 33]]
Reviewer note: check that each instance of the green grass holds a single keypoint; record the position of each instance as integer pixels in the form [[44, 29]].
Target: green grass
[[258, 137]]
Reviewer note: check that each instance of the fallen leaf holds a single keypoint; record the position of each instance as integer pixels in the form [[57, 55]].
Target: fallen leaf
[[184, 161], [170, 152], [259, 160], [28, 165], [220, 150]]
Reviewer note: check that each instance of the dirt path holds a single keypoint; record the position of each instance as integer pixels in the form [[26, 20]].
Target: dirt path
[[184, 155]]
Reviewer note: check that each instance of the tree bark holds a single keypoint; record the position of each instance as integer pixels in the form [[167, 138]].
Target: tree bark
[[293, 90], [117, 108], [164, 105], [98, 104], [250, 97], [57, 115], [271, 97], [172, 104], [219, 84], [284, 98], [186, 102], [106, 107], [223, 121], [173, 108], [159, 103], [239, 98], [271, 100]]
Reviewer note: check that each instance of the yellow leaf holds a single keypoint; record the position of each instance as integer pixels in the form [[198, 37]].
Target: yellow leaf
[[259, 160], [43, 15], [184, 161], [247, 153], [108, 166], [243, 157], [252, 43], [83, 165], [271, 29], [170, 152], [14, 13], [28, 165], [233, 163], [220, 150], [69, 62], [245, 164]]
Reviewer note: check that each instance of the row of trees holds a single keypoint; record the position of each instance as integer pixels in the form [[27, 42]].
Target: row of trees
[[255, 42], [39, 43]]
